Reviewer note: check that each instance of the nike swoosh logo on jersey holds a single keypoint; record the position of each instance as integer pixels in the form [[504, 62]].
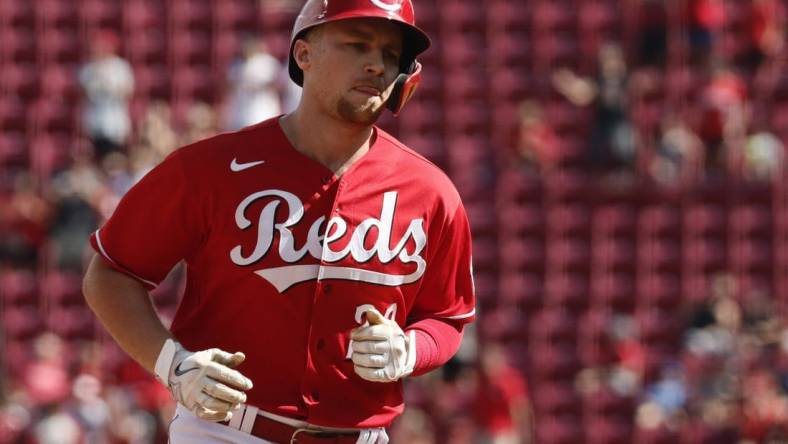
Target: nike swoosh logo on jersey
[[236, 167], [179, 372]]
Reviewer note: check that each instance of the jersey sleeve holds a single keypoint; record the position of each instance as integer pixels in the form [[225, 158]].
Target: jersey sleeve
[[155, 225], [447, 290]]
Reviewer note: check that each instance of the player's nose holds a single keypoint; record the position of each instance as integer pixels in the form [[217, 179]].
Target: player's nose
[[374, 62]]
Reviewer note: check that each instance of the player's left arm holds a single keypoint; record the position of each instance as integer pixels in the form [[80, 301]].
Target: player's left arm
[[384, 352]]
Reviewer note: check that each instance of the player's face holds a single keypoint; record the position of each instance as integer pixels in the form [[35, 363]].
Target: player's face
[[354, 67]]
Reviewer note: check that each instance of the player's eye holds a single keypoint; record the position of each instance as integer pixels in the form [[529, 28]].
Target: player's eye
[[359, 46], [391, 55]]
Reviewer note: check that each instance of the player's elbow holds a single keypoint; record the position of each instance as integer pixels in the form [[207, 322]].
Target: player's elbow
[[101, 281], [90, 282]]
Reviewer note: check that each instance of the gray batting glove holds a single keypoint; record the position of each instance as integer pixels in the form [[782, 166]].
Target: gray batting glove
[[382, 352], [204, 382]]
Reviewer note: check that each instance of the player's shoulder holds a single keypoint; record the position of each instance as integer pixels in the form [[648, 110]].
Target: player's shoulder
[[226, 145], [421, 170]]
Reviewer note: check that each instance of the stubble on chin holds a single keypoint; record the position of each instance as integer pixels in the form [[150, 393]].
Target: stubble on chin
[[363, 115]]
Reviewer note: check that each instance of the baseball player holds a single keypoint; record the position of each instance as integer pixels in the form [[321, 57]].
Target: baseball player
[[326, 261]]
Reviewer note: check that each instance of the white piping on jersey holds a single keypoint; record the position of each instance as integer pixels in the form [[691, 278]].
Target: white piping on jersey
[[107, 256], [462, 316], [283, 278]]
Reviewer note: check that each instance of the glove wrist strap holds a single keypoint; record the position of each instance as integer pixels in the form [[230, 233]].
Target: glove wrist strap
[[410, 361], [164, 361]]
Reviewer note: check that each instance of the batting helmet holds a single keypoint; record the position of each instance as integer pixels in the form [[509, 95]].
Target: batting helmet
[[318, 12]]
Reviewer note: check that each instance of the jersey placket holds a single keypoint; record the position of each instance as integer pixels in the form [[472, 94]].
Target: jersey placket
[[310, 391]]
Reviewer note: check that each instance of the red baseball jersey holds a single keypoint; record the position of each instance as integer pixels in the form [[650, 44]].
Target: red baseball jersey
[[283, 257]]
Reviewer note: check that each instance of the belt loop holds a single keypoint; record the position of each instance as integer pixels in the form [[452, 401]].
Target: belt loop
[[249, 418], [294, 439], [238, 416]]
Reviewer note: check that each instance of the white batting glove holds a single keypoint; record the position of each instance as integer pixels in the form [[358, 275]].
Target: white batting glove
[[203, 382], [382, 352]]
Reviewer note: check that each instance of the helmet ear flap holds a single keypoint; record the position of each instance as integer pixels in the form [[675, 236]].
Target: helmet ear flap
[[404, 87]]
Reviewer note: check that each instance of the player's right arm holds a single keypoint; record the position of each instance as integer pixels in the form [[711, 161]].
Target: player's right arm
[[204, 381], [124, 307]]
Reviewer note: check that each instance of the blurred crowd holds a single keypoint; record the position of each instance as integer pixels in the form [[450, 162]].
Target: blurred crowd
[[673, 109], [638, 118]]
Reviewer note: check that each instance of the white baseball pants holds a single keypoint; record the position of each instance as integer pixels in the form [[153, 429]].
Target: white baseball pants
[[187, 428]]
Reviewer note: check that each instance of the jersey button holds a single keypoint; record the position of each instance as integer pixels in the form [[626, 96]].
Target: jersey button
[[321, 343], [327, 288], [326, 180], [316, 395]]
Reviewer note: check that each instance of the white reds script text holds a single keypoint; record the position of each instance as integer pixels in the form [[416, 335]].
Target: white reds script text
[[319, 241]]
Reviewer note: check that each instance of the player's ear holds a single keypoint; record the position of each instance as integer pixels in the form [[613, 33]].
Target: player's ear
[[302, 53]]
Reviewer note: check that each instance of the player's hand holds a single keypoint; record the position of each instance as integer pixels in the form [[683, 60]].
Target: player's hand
[[382, 352], [205, 383]]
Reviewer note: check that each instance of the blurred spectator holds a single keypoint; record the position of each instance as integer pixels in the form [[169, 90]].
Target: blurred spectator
[[723, 118], [24, 217], [501, 405], [537, 142], [652, 29], [255, 82], [768, 27], [413, 427], [612, 141], [705, 18], [77, 194], [679, 154], [156, 130], [201, 123], [764, 156], [108, 82], [46, 380]]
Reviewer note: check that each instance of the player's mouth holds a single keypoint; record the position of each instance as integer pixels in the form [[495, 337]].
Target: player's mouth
[[368, 90]]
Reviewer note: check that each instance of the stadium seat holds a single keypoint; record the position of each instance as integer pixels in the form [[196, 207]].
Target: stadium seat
[[21, 322], [18, 287], [62, 289], [17, 45], [562, 429], [17, 14], [100, 14]]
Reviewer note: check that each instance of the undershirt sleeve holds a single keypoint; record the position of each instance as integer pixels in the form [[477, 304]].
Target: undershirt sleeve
[[436, 342]]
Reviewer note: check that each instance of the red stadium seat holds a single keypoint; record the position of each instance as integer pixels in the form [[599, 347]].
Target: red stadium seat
[[661, 290], [659, 435], [570, 219], [520, 220], [100, 14], [17, 14], [148, 47], [61, 81], [602, 431], [553, 326], [21, 322], [559, 430], [13, 150], [18, 287], [613, 291], [190, 15], [72, 322], [143, 15], [556, 399], [19, 79], [190, 48], [62, 289], [56, 14], [17, 45], [522, 254]]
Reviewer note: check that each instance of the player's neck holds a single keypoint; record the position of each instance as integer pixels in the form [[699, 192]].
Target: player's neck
[[330, 142]]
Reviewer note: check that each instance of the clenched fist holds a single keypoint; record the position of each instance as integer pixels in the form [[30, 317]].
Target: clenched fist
[[382, 352], [204, 382]]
